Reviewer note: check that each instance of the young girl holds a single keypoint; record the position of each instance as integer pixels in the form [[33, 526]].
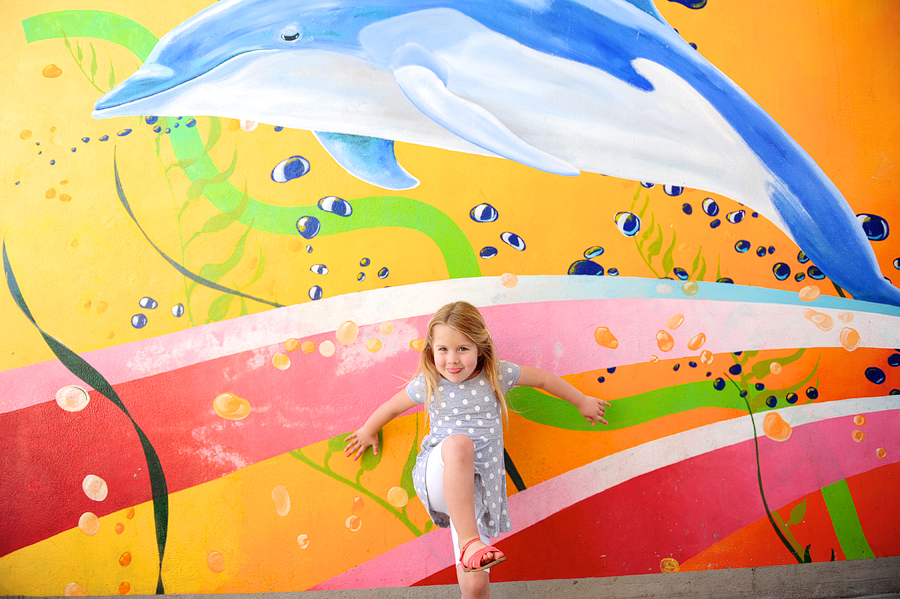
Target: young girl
[[459, 474]]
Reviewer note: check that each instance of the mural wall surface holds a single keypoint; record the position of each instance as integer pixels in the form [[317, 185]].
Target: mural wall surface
[[226, 226]]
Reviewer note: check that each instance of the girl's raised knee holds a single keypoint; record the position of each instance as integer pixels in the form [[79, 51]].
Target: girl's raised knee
[[457, 447]]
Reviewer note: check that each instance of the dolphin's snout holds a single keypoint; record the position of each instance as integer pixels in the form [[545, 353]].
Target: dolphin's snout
[[150, 79]]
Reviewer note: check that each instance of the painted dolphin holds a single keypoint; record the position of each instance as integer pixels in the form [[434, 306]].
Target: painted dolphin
[[605, 86]]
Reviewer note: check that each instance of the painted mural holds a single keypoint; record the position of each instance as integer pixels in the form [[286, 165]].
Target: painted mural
[[226, 225]]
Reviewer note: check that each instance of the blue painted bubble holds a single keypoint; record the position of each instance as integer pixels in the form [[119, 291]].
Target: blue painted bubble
[[743, 393], [157, 129], [484, 213], [613, 272], [710, 208], [319, 269], [692, 4], [725, 280], [771, 249], [781, 271], [315, 293], [361, 277], [383, 273], [279, 128], [802, 258], [761, 251], [513, 241], [681, 273], [759, 386], [176, 125], [673, 190], [601, 379], [812, 392], [815, 273], [309, 249], [719, 384], [593, 252], [150, 119], [178, 310], [365, 262], [676, 367], [714, 223], [735, 217], [894, 360], [308, 226], [103, 137], [799, 276], [692, 364], [897, 263], [336, 205], [648, 185], [191, 123], [628, 223], [289, 169], [611, 369], [687, 208], [85, 139], [74, 149], [139, 321], [875, 375], [791, 398], [874, 226], [167, 131], [742, 246], [735, 369], [585, 267], [148, 303], [771, 401], [52, 162], [123, 132]]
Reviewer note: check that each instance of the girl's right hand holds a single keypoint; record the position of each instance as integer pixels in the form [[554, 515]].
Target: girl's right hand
[[358, 442]]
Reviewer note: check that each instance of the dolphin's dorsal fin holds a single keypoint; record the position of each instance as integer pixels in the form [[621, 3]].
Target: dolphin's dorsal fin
[[368, 158]]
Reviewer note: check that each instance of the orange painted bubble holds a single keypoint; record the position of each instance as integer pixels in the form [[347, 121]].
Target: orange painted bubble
[[64, 197], [248, 125], [810, 293], [397, 497], [604, 338], [89, 524], [373, 345], [120, 528], [845, 317], [326, 348], [508, 279], [668, 565], [231, 407], [353, 523], [73, 589], [821, 320], [697, 341], [234, 125], [859, 420], [292, 344], [50, 193], [881, 452], [64, 182], [386, 328], [775, 367], [94, 487], [849, 338], [72, 398], [216, 562], [282, 500], [53, 129], [654, 359], [776, 428], [347, 332], [358, 505], [417, 344], [124, 587], [675, 321], [281, 361], [130, 513], [858, 436], [665, 341], [101, 307], [707, 357], [303, 541], [125, 559], [51, 71], [25, 134], [308, 347]]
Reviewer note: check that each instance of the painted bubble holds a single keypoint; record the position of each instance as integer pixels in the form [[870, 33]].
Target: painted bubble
[[761, 251], [710, 208], [776, 428], [668, 565], [397, 497], [859, 420], [874, 226], [648, 185], [820, 319], [771, 249], [417, 344], [781, 271], [358, 504], [719, 384], [326, 348], [282, 500], [365, 262], [148, 303], [353, 523], [139, 321], [687, 208], [775, 367], [509, 280], [881, 452], [315, 292], [604, 338], [849, 338], [308, 347], [707, 357], [484, 213], [488, 252], [893, 360], [25, 134], [585, 267], [696, 341], [771, 401], [742, 246], [663, 289], [383, 273], [120, 528], [151, 120], [813, 272], [628, 223], [653, 359], [336, 205], [50, 193], [845, 317], [72, 398], [810, 293], [735, 217], [680, 273], [130, 513], [89, 524], [812, 392], [231, 407], [713, 224], [513, 241], [51, 71], [248, 125], [735, 369], [308, 226], [673, 190], [73, 589], [875, 375], [292, 344], [281, 362], [690, 287], [103, 138], [303, 541], [125, 559], [802, 258], [858, 436], [665, 341], [791, 398], [361, 276], [64, 197], [124, 587], [319, 269], [346, 332], [94, 487], [593, 252], [123, 132], [309, 249], [613, 272], [373, 345], [675, 321], [178, 310], [215, 561]]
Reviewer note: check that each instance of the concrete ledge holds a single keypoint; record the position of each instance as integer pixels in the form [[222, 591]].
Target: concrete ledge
[[871, 578]]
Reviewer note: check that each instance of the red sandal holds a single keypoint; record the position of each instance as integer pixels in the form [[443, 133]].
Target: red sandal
[[475, 559]]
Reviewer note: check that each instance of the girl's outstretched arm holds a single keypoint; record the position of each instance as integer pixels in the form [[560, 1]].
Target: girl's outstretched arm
[[592, 408], [367, 436]]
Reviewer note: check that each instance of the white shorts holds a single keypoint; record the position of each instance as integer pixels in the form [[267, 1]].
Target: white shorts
[[434, 485]]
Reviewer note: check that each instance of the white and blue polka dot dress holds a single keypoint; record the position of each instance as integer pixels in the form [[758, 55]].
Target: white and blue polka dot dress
[[469, 408]]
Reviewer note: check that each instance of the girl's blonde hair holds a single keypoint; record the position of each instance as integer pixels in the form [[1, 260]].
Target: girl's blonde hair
[[466, 319]]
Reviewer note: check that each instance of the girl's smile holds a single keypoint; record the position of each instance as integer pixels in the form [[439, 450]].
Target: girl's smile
[[455, 355]]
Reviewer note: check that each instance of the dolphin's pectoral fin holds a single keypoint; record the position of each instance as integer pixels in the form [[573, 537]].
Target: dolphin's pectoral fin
[[370, 159], [427, 91]]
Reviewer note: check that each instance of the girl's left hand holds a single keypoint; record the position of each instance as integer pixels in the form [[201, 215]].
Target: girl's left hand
[[593, 408]]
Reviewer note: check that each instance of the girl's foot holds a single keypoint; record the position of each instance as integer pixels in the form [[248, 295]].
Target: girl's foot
[[478, 556]]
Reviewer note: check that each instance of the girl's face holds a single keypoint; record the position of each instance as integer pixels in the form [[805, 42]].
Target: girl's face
[[455, 355]]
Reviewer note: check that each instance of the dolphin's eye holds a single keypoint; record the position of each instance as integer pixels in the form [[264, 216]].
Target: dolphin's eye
[[290, 34]]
